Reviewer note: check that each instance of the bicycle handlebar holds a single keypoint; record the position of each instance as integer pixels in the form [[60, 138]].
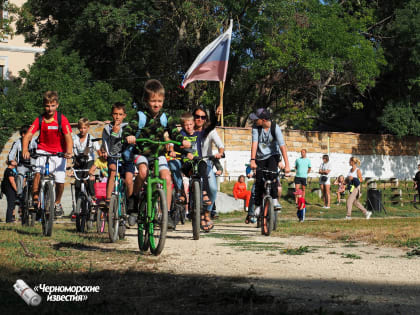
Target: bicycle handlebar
[[154, 142], [213, 157], [59, 154], [75, 171]]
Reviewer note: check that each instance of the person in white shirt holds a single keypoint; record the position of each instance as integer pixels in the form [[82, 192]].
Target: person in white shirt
[[85, 148], [200, 119], [324, 181]]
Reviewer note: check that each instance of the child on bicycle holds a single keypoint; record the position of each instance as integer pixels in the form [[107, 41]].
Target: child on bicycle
[[267, 144], [301, 205], [102, 165], [15, 154], [84, 150], [189, 134], [112, 146], [54, 137], [152, 124]]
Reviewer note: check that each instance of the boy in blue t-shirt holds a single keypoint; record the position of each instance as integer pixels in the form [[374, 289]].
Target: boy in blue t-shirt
[[267, 145], [303, 167]]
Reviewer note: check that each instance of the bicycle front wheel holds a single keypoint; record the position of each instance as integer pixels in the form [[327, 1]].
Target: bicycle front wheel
[[267, 217], [81, 213], [113, 220], [25, 207], [143, 227], [159, 226], [48, 211], [196, 209]]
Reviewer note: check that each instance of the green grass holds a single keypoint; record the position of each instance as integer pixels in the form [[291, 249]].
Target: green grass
[[297, 251], [338, 211], [351, 256], [65, 250]]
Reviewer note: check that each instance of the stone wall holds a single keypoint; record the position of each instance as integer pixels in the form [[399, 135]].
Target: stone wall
[[382, 156]]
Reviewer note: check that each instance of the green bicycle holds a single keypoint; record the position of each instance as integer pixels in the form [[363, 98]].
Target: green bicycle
[[152, 217], [117, 207]]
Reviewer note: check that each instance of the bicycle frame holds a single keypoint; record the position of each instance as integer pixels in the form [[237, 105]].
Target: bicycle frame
[[153, 181], [118, 184], [45, 178], [153, 184]]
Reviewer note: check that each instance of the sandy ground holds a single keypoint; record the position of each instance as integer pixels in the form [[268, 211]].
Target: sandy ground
[[332, 276]]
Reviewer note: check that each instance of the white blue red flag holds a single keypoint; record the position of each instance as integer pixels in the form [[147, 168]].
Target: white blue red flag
[[211, 64]]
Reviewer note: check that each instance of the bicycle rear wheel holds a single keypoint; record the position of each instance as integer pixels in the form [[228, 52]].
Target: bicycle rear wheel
[[113, 220], [143, 227], [25, 207], [81, 213], [267, 218], [100, 220], [48, 211], [196, 209], [159, 226]]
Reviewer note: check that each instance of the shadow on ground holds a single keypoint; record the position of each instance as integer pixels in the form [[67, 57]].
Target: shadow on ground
[[138, 292]]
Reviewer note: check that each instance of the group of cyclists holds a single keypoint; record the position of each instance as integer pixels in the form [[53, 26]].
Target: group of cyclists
[[190, 152], [175, 161]]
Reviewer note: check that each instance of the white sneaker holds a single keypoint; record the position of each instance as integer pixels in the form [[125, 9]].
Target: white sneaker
[[348, 218], [326, 207], [257, 211], [368, 214], [276, 205]]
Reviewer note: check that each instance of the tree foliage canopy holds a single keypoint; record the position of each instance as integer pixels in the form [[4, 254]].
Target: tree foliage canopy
[[327, 65]]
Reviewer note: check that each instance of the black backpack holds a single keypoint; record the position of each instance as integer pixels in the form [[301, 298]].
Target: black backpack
[[272, 130]]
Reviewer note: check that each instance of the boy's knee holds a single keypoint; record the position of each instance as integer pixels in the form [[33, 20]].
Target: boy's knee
[[142, 171]]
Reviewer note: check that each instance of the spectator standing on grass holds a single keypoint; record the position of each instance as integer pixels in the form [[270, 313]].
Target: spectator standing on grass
[[303, 167], [417, 180], [324, 180], [301, 205], [354, 177]]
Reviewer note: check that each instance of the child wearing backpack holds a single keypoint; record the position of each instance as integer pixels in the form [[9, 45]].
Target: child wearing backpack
[[152, 124], [54, 137], [84, 149], [112, 146], [267, 144]]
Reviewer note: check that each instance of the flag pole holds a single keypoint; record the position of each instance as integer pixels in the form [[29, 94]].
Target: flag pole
[[222, 89]]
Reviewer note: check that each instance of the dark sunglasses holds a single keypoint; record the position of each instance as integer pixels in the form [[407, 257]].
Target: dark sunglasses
[[200, 117]]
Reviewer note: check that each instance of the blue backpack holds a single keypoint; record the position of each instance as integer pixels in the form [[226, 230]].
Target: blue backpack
[[143, 120]]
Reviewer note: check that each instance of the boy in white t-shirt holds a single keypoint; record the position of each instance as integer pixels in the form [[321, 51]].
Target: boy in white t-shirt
[[84, 150]]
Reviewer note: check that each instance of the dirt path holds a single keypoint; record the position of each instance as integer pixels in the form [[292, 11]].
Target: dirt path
[[337, 276]]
